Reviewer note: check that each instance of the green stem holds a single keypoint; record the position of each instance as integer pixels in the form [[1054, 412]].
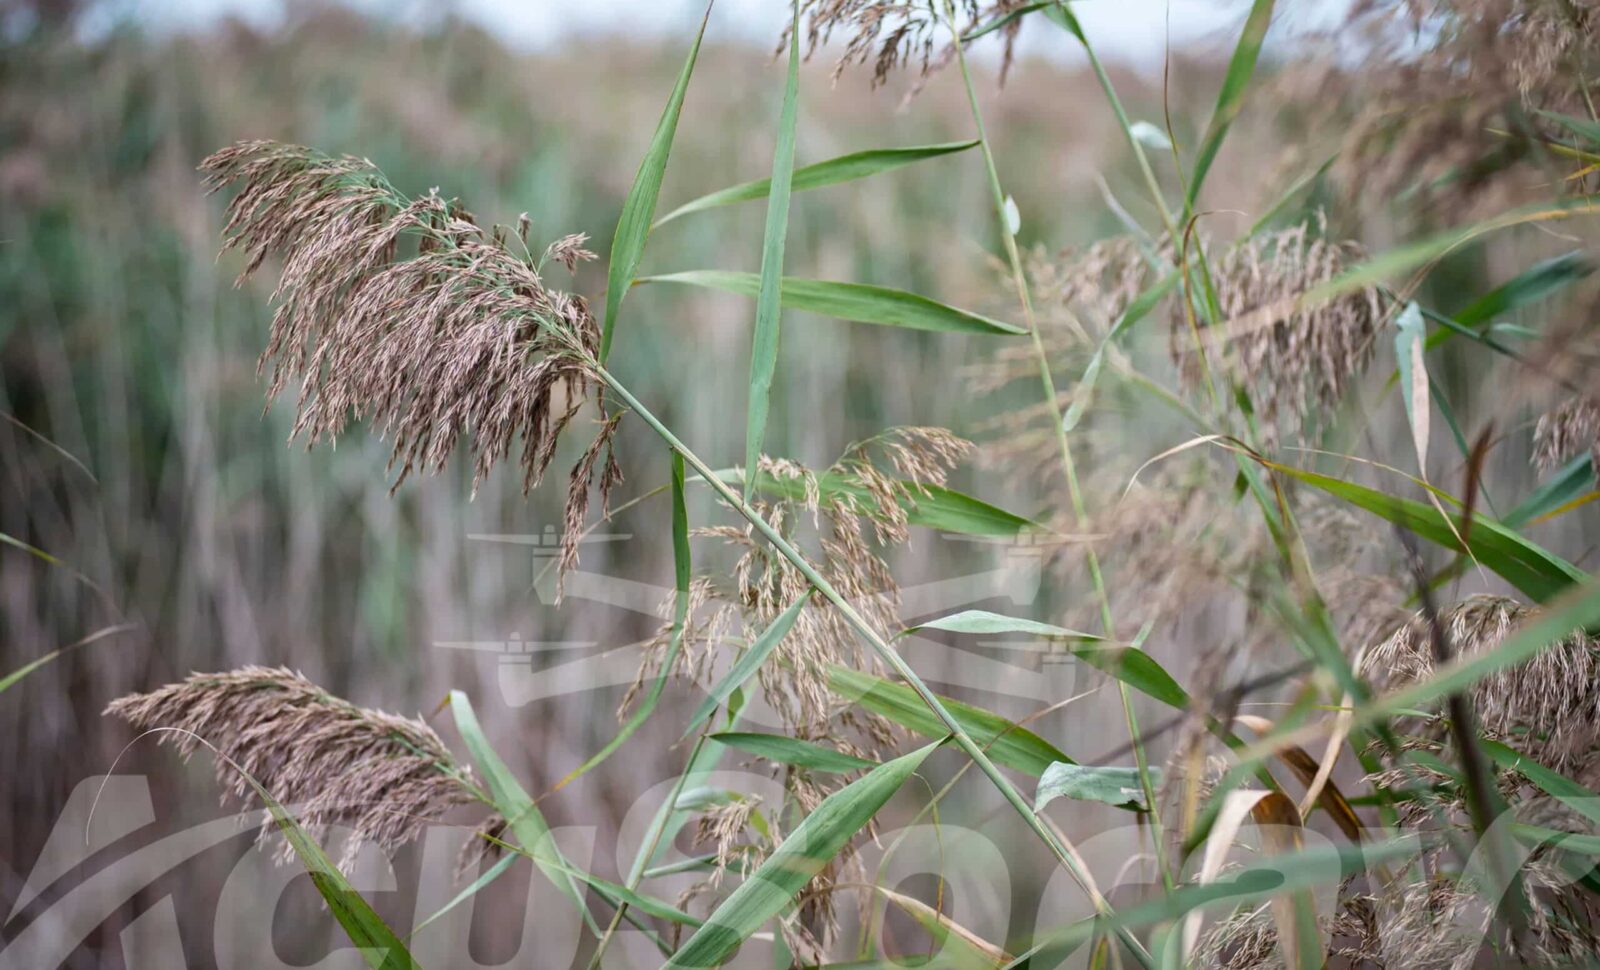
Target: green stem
[[652, 839], [879, 646], [1047, 381]]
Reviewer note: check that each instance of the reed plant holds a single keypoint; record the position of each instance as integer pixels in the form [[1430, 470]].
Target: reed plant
[[1432, 753]]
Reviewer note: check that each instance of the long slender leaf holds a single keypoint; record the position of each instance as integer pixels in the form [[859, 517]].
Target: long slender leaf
[[929, 506], [983, 621], [799, 857], [378, 944], [11, 679], [1578, 610], [1530, 568], [1129, 664], [633, 226], [514, 804], [790, 751], [1571, 482], [1136, 311], [747, 665], [860, 302], [1559, 786], [1006, 742], [844, 168], [1230, 99], [764, 343]]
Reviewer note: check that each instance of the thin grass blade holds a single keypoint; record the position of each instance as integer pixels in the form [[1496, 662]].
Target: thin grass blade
[[750, 662], [1006, 742], [858, 302], [844, 168], [682, 570], [639, 210], [768, 891], [514, 804], [928, 506], [764, 344], [1241, 69], [791, 751]]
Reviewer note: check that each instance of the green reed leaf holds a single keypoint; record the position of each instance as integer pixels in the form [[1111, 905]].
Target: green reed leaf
[[860, 302], [844, 168], [747, 665], [1558, 786], [10, 680], [983, 621], [680, 616], [1241, 69], [1005, 741], [633, 226], [1571, 482], [801, 855], [1579, 609], [928, 506], [791, 751], [378, 944], [764, 342], [511, 800], [1121, 787], [1530, 568], [1126, 663]]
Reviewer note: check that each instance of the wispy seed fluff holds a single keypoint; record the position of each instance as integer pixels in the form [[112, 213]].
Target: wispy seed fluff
[[329, 761], [1296, 362], [1565, 431], [405, 312], [1548, 708]]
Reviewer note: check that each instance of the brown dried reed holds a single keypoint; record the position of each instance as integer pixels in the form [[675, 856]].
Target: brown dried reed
[[329, 761]]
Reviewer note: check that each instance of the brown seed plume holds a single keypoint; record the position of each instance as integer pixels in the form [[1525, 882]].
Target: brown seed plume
[[405, 313], [329, 761], [1297, 362], [1565, 431], [1548, 707], [895, 34]]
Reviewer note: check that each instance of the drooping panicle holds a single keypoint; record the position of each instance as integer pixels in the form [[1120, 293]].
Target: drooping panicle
[[331, 762], [406, 313], [1548, 707], [1295, 358]]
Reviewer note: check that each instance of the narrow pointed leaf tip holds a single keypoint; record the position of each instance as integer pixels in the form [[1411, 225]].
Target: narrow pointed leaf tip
[[638, 211], [859, 302]]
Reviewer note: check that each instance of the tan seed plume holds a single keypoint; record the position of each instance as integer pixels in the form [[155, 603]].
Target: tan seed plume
[[329, 761], [405, 313], [1548, 707]]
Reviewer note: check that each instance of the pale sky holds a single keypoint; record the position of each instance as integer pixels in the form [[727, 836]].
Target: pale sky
[[1133, 31]]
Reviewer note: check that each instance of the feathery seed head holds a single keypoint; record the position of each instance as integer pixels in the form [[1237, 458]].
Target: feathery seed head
[[1296, 362], [328, 760], [1565, 431], [455, 341], [1548, 707]]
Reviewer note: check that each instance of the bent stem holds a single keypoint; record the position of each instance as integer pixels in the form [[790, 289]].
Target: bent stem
[[881, 647], [1047, 380]]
